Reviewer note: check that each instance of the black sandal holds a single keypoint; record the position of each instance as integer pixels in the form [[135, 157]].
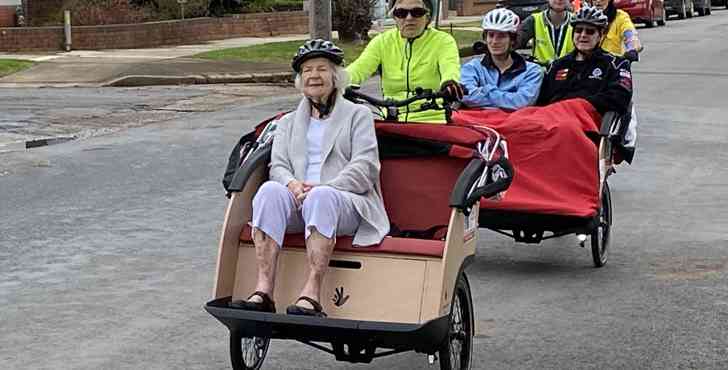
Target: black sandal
[[266, 306], [317, 311]]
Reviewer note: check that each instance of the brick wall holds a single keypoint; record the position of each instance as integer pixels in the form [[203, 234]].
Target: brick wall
[[152, 34], [7, 16], [31, 38], [475, 7]]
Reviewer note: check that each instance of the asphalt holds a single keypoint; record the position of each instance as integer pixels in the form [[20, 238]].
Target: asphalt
[[108, 244], [172, 65]]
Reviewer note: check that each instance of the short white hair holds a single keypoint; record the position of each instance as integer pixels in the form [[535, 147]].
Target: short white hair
[[340, 79]]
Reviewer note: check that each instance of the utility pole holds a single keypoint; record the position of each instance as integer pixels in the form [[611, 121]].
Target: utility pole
[[319, 19], [182, 8]]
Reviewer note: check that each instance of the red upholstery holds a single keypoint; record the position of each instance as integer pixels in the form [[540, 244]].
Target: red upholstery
[[554, 158], [417, 247], [417, 191], [457, 135]]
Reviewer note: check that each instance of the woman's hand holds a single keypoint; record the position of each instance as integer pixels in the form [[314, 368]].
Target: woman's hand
[[453, 90], [299, 189]]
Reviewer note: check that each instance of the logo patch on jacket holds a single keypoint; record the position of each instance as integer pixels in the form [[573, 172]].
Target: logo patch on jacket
[[561, 74], [596, 73], [625, 79]]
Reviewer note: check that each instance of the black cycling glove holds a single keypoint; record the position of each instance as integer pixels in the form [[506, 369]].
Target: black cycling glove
[[453, 90], [632, 55]]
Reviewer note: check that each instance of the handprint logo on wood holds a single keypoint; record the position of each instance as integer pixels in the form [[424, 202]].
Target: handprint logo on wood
[[339, 298]]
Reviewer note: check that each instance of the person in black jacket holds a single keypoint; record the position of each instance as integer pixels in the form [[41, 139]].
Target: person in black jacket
[[603, 79]]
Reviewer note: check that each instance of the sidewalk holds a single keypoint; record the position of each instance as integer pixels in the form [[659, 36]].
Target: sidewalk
[[168, 65], [156, 66]]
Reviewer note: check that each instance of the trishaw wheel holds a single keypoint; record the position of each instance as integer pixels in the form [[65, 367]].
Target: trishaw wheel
[[600, 234], [456, 352], [247, 353]]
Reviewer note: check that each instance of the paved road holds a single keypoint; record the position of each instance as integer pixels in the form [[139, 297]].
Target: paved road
[[107, 245]]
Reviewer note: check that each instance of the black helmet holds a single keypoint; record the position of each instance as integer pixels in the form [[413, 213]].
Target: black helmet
[[590, 15], [317, 48]]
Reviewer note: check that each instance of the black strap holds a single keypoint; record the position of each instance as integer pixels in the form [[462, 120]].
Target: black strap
[[316, 306], [430, 233], [265, 297], [325, 109]]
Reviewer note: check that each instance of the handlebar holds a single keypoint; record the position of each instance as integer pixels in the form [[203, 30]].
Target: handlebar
[[353, 94], [390, 105]]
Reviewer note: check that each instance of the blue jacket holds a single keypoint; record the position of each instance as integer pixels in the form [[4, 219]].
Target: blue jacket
[[517, 87]]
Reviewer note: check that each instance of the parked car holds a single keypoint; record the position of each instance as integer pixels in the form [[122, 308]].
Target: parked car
[[524, 8], [686, 8], [648, 12], [703, 7]]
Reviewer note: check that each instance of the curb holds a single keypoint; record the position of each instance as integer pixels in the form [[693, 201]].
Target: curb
[[198, 79], [219, 78], [34, 143], [213, 78]]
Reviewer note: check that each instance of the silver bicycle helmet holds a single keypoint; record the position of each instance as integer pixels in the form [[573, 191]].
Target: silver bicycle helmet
[[590, 15], [317, 48], [501, 19]]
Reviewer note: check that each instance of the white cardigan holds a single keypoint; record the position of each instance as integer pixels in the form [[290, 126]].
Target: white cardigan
[[350, 161]]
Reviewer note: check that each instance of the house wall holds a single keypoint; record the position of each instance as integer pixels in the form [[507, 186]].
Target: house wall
[[152, 34], [7, 15], [7, 12], [475, 7]]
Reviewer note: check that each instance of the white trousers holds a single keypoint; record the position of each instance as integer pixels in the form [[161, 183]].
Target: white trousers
[[325, 209]]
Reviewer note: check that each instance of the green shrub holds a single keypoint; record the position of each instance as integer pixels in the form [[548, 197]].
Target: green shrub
[[271, 5], [95, 12], [170, 9], [352, 18]]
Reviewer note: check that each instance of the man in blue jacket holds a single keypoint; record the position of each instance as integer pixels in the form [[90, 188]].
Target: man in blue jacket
[[503, 78]]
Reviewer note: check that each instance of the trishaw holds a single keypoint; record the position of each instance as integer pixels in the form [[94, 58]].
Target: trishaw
[[409, 293], [533, 227], [615, 142]]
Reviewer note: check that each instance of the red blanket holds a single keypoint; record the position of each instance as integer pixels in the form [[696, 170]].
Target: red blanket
[[555, 162]]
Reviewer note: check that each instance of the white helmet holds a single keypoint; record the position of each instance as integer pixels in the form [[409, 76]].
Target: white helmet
[[501, 19]]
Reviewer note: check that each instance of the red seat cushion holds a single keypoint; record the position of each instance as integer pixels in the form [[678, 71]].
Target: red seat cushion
[[402, 246], [416, 191]]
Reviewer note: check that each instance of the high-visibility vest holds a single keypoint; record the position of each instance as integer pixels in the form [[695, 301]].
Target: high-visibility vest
[[543, 48]]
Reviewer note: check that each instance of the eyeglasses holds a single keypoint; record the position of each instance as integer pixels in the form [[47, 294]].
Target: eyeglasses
[[414, 12], [587, 30]]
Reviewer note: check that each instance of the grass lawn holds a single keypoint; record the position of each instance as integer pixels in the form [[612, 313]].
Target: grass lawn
[[282, 52], [10, 66]]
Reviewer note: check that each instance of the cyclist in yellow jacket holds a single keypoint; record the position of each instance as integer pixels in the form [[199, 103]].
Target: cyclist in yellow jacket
[[621, 37], [412, 55], [550, 31]]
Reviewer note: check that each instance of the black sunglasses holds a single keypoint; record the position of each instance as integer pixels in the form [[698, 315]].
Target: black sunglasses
[[415, 12], [588, 30]]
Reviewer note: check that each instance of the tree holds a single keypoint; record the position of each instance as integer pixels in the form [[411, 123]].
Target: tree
[[319, 19], [352, 19]]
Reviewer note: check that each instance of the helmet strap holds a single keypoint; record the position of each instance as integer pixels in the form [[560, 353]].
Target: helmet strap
[[324, 109]]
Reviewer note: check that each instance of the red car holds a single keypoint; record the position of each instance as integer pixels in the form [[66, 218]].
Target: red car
[[648, 12]]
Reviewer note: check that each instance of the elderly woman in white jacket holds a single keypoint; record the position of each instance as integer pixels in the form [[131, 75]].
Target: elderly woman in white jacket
[[324, 179]]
